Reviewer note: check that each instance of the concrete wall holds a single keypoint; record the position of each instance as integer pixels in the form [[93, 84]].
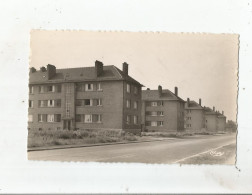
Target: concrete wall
[[131, 111], [111, 109], [36, 96], [221, 124], [197, 119], [211, 122], [172, 119]]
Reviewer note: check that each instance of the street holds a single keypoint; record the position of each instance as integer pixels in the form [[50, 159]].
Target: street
[[166, 151]]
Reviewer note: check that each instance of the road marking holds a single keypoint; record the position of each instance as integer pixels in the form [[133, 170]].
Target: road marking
[[201, 153]]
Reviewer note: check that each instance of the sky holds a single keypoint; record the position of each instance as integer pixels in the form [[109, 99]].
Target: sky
[[201, 65]]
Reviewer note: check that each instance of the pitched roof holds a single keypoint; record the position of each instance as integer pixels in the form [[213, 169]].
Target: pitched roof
[[193, 105], [154, 95], [80, 74], [209, 111]]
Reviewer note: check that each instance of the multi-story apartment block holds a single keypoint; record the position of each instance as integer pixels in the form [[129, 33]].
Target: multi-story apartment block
[[221, 121], [194, 116], [99, 97], [210, 119], [162, 110]]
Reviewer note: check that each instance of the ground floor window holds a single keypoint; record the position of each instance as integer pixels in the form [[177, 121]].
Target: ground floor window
[[49, 118], [135, 120], [153, 123], [88, 118]]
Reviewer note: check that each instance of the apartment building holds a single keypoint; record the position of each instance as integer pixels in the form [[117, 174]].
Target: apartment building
[[194, 116], [162, 110], [221, 121], [210, 119], [99, 97]]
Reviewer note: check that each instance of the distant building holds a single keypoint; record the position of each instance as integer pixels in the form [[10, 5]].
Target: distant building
[[210, 119], [194, 116], [221, 121], [162, 110], [99, 97]]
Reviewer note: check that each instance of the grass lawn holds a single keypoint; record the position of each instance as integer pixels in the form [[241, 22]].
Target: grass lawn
[[223, 155], [65, 137]]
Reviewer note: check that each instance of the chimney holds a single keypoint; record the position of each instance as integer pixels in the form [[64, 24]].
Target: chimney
[[160, 90], [222, 112], [213, 108], [200, 101], [176, 91], [98, 68], [125, 68], [32, 70], [188, 102], [51, 71], [148, 89], [43, 69]]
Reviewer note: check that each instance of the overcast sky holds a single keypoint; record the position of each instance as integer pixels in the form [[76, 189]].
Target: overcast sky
[[200, 65]]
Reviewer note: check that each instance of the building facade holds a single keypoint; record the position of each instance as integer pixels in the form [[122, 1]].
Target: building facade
[[221, 122], [162, 110], [210, 119], [194, 116], [99, 97]]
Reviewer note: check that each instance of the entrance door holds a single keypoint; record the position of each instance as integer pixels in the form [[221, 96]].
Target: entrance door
[[67, 124]]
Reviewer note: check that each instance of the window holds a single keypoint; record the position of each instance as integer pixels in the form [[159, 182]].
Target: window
[[135, 120], [135, 90], [68, 88], [96, 118], [42, 103], [41, 89], [50, 118], [153, 113], [153, 123], [78, 118], [128, 103], [128, 119], [30, 103], [99, 102], [153, 103], [89, 87], [161, 123], [188, 125], [57, 117], [135, 105], [50, 103], [88, 118], [161, 113], [99, 87], [31, 88], [42, 118], [51, 88], [30, 118], [161, 103], [128, 88], [88, 102], [68, 109]]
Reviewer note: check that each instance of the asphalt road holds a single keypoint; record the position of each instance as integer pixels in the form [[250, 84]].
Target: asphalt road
[[166, 151]]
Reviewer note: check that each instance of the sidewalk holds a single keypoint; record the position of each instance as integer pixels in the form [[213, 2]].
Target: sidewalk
[[143, 139]]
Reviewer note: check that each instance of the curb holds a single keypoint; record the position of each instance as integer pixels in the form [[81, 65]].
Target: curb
[[91, 145]]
